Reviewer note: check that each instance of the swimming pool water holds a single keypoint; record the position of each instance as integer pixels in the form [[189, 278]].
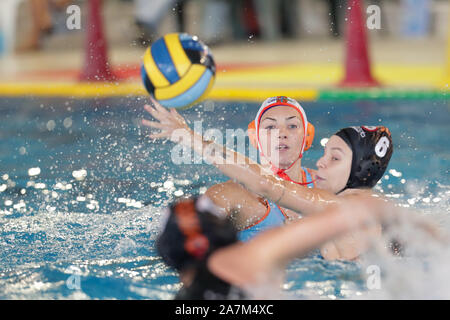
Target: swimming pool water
[[82, 187]]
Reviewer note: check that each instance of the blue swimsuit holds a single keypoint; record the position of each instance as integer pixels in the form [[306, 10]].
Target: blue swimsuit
[[274, 216]]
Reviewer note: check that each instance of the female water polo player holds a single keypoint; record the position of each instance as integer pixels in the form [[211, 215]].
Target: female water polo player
[[199, 241], [281, 133], [354, 160], [280, 154]]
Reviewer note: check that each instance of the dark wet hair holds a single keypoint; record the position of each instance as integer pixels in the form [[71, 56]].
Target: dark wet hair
[[192, 230]]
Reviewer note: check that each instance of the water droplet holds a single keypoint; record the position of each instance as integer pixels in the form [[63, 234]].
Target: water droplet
[[323, 142], [79, 174], [34, 171], [67, 122], [51, 124]]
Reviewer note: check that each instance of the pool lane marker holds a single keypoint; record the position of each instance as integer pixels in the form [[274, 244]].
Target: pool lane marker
[[92, 90]]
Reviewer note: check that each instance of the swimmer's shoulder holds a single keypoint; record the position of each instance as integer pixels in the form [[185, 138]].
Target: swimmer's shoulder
[[232, 190], [368, 194], [231, 195], [350, 193]]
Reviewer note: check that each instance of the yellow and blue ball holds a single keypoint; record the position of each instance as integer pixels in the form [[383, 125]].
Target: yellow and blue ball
[[178, 70]]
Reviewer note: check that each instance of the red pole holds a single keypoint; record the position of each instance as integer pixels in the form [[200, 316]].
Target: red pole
[[357, 63], [96, 66]]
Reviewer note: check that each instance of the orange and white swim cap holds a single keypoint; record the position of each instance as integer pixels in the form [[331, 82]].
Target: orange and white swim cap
[[308, 134], [253, 127]]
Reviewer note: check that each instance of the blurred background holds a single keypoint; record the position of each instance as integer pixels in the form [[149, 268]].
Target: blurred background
[[37, 44]]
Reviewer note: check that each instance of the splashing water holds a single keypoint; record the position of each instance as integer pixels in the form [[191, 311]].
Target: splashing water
[[81, 191], [422, 271]]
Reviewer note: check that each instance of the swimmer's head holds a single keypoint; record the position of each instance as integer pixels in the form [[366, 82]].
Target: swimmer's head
[[191, 229], [281, 131], [354, 158]]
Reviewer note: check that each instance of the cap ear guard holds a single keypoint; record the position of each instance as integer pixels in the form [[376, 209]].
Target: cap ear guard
[[192, 231], [310, 131], [196, 244], [252, 134]]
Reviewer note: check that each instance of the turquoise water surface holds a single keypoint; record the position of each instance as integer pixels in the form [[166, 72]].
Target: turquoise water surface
[[82, 188]]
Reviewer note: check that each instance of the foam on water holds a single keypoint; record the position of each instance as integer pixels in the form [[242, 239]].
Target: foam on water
[[423, 271]]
